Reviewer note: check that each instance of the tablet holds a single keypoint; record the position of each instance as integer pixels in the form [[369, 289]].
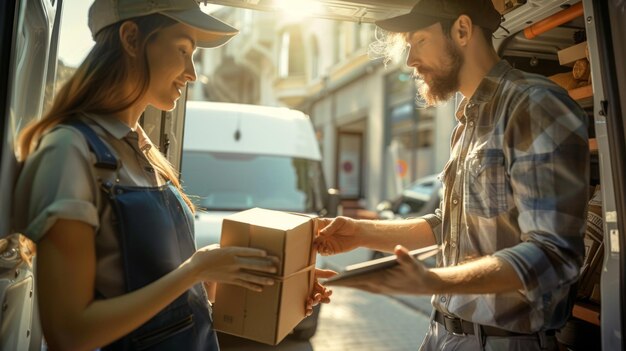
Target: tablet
[[381, 263]]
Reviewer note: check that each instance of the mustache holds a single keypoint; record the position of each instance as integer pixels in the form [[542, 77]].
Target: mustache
[[419, 74]]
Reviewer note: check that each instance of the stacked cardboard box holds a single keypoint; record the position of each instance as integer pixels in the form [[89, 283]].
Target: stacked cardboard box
[[270, 315]]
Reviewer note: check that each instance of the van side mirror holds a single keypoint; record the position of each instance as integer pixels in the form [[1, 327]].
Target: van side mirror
[[332, 204]]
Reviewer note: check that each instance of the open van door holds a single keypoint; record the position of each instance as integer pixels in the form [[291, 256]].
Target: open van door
[[607, 49], [29, 32]]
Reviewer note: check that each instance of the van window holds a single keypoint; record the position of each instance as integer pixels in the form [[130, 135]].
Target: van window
[[232, 181]]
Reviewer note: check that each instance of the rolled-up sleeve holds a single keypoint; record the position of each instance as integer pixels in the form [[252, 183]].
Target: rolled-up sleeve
[[434, 220], [548, 153], [56, 182]]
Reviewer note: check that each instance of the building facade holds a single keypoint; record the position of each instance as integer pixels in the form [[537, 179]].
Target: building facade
[[374, 140]]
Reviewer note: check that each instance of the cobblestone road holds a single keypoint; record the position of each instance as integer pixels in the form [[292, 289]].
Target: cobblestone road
[[356, 320]]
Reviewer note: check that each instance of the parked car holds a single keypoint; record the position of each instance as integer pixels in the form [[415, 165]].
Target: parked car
[[237, 156], [419, 198]]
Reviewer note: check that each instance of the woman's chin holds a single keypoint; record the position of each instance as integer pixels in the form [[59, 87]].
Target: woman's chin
[[165, 105]]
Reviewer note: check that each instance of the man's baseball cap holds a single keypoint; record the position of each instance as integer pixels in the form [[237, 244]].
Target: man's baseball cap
[[211, 32], [428, 12]]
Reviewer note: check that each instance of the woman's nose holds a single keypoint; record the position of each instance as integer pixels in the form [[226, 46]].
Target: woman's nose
[[190, 71]]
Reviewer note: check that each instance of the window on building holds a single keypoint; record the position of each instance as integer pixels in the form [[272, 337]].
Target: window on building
[[283, 56], [344, 40], [315, 58], [291, 60], [365, 34]]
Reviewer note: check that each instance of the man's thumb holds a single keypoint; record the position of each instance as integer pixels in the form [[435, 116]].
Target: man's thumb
[[324, 273], [403, 255]]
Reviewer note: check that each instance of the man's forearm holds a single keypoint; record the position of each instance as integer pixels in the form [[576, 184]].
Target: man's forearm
[[385, 235], [484, 276]]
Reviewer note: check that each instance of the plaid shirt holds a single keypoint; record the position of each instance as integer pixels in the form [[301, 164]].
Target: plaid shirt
[[516, 187]]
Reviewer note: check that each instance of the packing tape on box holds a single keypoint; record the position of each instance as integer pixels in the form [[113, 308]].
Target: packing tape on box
[[283, 278]]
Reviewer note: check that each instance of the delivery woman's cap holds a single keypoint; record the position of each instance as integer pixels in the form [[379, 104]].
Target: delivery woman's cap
[[211, 32], [427, 12]]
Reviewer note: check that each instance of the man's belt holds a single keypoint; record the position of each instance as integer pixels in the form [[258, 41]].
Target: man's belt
[[459, 326]]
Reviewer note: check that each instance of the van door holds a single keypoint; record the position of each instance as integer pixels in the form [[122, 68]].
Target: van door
[[165, 129], [607, 48], [29, 32]]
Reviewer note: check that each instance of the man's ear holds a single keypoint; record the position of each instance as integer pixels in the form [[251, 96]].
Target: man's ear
[[462, 30], [129, 37]]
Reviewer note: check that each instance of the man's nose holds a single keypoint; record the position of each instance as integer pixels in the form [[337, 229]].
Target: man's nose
[[412, 58]]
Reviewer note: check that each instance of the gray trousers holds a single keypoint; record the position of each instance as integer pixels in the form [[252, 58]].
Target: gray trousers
[[439, 339]]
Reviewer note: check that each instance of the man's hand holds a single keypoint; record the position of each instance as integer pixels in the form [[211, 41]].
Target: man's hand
[[410, 276], [336, 235], [320, 293]]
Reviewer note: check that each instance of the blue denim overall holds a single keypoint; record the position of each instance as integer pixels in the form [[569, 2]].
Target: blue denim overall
[[155, 230]]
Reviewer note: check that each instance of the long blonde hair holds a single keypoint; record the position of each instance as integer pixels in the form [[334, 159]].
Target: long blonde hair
[[94, 88]]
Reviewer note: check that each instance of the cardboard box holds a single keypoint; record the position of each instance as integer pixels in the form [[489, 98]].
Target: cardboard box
[[569, 55], [270, 315]]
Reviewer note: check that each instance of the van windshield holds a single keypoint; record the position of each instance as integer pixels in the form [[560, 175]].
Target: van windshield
[[233, 182]]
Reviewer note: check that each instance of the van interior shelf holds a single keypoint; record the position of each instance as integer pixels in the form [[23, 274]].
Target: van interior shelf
[[554, 21], [587, 312], [593, 145], [582, 93]]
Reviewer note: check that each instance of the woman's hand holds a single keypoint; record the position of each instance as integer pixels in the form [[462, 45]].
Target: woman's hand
[[336, 235], [242, 266], [320, 293]]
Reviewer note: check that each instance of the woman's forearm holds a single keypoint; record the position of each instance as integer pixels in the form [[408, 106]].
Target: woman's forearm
[[125, 313], [70, 315]]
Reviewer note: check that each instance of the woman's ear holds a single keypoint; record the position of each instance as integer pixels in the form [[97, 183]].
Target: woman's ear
[[129, 37], [462, 30]]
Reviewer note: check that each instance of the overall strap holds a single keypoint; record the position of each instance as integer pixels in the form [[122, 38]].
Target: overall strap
[[104, 157]]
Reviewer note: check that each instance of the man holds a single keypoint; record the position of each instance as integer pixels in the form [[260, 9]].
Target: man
[[511, 221]]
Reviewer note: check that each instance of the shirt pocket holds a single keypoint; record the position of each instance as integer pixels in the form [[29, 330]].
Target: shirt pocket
[[485, 188]]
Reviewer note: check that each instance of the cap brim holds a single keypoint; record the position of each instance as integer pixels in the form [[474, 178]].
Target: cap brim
[[407, 23], [211, 32]]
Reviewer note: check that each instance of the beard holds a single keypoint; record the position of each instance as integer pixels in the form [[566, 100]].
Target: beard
[[442, 83]]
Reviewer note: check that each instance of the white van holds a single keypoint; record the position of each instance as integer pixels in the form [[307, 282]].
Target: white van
[[238, 156]]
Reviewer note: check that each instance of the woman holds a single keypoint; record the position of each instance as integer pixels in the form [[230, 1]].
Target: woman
[[117, 267]]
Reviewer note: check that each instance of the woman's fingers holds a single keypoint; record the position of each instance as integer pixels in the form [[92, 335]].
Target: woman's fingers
[[248, 285], [256, 279], [266, 264], [247, 251], [252, 282], [210, 247]]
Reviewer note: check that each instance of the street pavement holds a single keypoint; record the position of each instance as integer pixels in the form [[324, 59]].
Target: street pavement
[[356, 320]]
